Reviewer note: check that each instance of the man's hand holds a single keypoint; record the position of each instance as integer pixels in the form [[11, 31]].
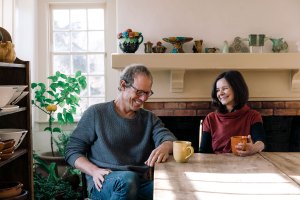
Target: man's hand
[[160, 154], [98, 177], [98, 174]]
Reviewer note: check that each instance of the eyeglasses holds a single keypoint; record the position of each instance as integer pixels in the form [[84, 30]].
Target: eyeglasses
[[141, 92]]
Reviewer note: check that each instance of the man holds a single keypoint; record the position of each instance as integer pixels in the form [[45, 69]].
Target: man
[[115, 143]]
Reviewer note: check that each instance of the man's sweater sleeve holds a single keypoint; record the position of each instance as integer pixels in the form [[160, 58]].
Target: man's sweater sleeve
[[81, 137]]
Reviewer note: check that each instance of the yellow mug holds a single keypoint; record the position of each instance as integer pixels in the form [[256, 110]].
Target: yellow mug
[[182, 151]]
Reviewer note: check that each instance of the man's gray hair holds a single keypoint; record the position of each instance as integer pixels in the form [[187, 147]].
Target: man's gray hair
[[129, 73]]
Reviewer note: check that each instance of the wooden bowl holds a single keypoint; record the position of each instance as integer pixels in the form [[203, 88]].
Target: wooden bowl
[[1, 145], [5, 156], [8, 150], [10, 189], [22, 196], [8, 143]]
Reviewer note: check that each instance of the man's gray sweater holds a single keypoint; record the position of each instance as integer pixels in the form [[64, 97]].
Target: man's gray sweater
[[111, 141]]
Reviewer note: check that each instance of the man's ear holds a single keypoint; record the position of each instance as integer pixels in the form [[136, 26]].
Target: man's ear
[[122, 85]]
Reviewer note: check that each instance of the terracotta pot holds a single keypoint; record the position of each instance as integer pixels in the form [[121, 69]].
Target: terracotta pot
[[10, 189], [58, 159]]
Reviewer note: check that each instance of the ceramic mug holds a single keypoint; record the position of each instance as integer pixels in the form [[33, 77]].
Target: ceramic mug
[[182, 151], [257, 39], [238, 139]]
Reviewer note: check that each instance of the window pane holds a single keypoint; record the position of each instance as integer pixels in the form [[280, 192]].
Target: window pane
[[96, 17], [83, 105], [78, 19], [61, 20], [79, 63], [79, 41], [61, 41], [96, 84], [96, 64], [93, 101], [62, 63], [96, 41], [84, 93]]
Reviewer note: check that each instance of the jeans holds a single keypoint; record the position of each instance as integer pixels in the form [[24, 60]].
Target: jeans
[[124, 185]]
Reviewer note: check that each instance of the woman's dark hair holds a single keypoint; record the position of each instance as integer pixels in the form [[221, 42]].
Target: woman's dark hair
[[239, 87]]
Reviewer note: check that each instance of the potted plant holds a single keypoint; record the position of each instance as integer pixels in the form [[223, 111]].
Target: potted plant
[[64, 93], [60, 102], [52, 186]]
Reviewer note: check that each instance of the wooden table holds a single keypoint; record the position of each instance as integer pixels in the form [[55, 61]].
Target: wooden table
[[272, 176]]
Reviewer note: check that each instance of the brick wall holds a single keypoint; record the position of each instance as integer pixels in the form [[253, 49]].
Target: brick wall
[[266, 108]]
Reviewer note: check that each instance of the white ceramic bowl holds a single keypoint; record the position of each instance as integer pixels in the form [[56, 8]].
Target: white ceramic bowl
[[6, 93], [18, 92], [16, 134]]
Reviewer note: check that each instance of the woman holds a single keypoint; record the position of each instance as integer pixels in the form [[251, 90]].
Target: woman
[[232, 117]]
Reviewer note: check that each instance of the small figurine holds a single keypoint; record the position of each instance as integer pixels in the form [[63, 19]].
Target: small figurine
[[148, 47], [197, 47], [159, 48]]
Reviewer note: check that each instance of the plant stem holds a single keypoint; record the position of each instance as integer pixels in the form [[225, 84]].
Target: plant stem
[[51, 133]]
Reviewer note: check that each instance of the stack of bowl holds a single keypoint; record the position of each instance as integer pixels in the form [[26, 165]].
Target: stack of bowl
[[7, 149], [10, 139]]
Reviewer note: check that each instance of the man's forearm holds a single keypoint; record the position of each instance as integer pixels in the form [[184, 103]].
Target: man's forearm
[[84, 165]]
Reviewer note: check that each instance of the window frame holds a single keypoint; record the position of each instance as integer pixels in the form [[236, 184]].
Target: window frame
[[52, 53]]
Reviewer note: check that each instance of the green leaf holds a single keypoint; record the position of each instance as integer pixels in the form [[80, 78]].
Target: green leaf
[[33, 85], [53, 78], [63, 76], [69, 118], [47, 129], [53, 86], [77, 74], [56, 129]]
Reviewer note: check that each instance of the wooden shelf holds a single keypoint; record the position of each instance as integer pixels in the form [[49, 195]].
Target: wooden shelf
[[16, 155], [178, 63], [19, 166], [2, 113]]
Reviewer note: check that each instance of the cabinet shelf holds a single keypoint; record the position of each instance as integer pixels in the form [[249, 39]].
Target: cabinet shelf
[[19, 166], [178, 63], [2, 113], [16, 155]]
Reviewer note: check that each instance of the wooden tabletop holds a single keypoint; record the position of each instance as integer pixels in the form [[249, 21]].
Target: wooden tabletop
[[225, 176], [287, 162]]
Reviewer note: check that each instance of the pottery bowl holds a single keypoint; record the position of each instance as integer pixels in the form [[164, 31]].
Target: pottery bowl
[[6, 93], [8, 143], [1, 145], [7, 150], [5, 156], [17, 134], [18, 92], [22, 196], [10, 189]]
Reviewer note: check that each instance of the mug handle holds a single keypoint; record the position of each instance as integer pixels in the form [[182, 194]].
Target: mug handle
[[141, 39], [191, 149]]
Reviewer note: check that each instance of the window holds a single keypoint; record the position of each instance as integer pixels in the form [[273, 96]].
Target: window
[[77, 43]]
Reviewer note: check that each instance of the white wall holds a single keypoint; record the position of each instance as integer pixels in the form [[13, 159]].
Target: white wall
[[213, 21]]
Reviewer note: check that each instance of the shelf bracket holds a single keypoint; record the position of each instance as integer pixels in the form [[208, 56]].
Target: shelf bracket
[[295, 78], [177, 81]]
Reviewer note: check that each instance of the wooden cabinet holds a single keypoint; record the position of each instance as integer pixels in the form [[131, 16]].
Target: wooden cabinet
[[19, 166]]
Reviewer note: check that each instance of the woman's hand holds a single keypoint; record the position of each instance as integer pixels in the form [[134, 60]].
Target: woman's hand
[[249, 148]]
